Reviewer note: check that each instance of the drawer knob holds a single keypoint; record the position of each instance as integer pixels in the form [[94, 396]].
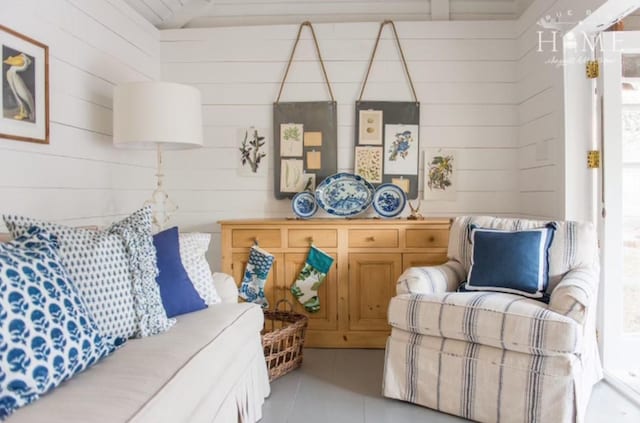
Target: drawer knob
[[256, 242], [371, 238], [432, 238], [310, 240]]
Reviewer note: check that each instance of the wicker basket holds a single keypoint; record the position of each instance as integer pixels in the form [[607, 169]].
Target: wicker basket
[[283, 344]]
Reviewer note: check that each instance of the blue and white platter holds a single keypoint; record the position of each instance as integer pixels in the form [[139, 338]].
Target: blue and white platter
[[389, 200], [304, 204], [344, 194]]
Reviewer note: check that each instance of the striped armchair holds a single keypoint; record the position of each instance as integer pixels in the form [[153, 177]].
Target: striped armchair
[[496, 357]]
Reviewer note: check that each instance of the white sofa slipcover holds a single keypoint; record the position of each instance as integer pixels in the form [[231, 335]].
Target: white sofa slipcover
[[209, 367]]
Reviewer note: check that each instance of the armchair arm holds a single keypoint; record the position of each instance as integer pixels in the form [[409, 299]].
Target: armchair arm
[[576, 293], [431, 279], [225, 287]]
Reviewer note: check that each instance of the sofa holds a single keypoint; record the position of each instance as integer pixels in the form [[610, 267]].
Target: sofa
[[496, 356], [209, 367]]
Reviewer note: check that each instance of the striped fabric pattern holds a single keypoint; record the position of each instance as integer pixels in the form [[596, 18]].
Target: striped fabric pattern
[[497, 357], [478, 382], [432, 279], [495, 319]]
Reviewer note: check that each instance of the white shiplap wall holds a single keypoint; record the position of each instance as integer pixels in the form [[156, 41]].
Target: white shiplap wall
[[465, 75], [542, 152], [80, 178]]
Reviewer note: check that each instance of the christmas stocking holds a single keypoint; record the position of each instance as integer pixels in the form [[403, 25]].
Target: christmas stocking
[[305, 288], [255, 276]]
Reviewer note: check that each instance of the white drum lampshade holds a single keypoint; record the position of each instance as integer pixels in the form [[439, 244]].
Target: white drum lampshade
[[160, 116], [146, 114]]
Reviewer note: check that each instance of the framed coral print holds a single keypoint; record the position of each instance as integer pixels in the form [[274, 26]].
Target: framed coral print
[[24, 92]]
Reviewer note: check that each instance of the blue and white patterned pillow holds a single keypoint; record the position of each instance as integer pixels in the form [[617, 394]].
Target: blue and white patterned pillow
[[114, 270], [46, 332], [135, 231], [97, 261]]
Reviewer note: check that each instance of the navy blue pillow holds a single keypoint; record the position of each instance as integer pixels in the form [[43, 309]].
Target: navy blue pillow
[[176, 289], [516, 262]]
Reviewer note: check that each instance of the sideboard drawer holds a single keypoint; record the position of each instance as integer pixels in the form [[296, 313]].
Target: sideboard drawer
[[327, 238], [379, 238], [247, 237], [426, 238]]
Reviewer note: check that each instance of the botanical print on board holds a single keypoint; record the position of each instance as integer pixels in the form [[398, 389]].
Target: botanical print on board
[[291, 135], [369, 163], [439, 175], [253, 152], [401, 149], [24, 88], [291, 176], [370, 132]]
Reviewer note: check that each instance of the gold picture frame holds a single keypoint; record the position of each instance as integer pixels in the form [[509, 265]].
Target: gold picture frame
[[24, 91]]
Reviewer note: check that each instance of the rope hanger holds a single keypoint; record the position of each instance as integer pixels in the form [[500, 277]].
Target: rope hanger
[[293, 52], [373, 55]]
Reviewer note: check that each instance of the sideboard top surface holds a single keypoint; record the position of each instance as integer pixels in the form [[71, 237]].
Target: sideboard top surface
[[335, 222]]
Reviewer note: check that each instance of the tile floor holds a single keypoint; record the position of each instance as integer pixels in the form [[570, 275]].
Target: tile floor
[[336, 386]]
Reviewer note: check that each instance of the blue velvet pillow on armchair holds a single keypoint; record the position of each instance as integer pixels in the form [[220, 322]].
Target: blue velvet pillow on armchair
[[176, 289], [515, 262]]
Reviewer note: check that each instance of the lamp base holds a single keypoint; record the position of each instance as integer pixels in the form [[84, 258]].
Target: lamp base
[[162, 206]]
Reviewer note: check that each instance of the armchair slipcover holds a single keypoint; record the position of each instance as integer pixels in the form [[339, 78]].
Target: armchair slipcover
[[496, 357]]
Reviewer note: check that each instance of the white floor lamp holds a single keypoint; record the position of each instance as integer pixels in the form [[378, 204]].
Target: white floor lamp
[[160, 116]]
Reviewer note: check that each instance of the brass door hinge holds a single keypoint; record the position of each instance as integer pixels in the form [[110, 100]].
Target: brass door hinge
[[593, 69], [593, 159]]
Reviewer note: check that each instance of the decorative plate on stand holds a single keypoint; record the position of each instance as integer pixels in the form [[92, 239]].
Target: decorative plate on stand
[[304, 204], [389, 200], [344, 194]]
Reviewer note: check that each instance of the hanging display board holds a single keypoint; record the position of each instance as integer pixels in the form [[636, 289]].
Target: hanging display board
[[387, 135], [305, 137]]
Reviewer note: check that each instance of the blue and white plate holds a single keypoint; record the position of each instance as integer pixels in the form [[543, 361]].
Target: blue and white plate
[[304, 204], [389, 200], [344, 194]]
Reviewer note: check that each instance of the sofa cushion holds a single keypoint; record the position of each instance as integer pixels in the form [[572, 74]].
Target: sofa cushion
[[193, 247], [176, 289], [165, 375], [114, 270], [97, 263], [510, 261], [47, 334], [574, 243], [499, 320]]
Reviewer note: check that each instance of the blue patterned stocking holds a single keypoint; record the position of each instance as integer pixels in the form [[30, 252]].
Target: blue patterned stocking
[[255, 276]]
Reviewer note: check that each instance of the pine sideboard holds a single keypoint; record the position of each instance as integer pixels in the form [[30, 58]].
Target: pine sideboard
[[370, 254]]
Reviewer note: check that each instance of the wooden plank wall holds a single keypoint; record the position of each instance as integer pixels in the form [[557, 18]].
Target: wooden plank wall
[[465, 75], [540, 98], [80, 178]]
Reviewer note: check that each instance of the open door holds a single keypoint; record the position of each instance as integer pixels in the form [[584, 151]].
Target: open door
[[619, 219]]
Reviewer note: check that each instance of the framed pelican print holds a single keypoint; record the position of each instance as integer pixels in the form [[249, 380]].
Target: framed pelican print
[[24, 92]]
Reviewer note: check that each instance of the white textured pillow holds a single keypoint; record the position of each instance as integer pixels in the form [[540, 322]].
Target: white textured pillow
[[193, 247]]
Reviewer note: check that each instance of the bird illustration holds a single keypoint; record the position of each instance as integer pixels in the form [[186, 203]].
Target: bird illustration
[[24, 97]]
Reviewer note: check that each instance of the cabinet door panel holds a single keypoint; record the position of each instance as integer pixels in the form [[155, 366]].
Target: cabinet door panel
[[327, 317], [272, 291], [372, 283], [422, 259]]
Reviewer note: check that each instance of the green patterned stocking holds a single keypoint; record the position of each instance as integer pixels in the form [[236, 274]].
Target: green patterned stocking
[[305, 288]]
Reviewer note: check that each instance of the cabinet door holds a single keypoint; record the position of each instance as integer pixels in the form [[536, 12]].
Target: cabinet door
[[372, 283], [422, 259], [272, 291], [327, 317]]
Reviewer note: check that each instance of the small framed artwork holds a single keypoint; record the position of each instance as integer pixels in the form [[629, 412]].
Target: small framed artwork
[[401, 149], [291, 135], [439, 175], [291, 176], [370, 127], [253, 151], [24, 91], [369, 163]]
